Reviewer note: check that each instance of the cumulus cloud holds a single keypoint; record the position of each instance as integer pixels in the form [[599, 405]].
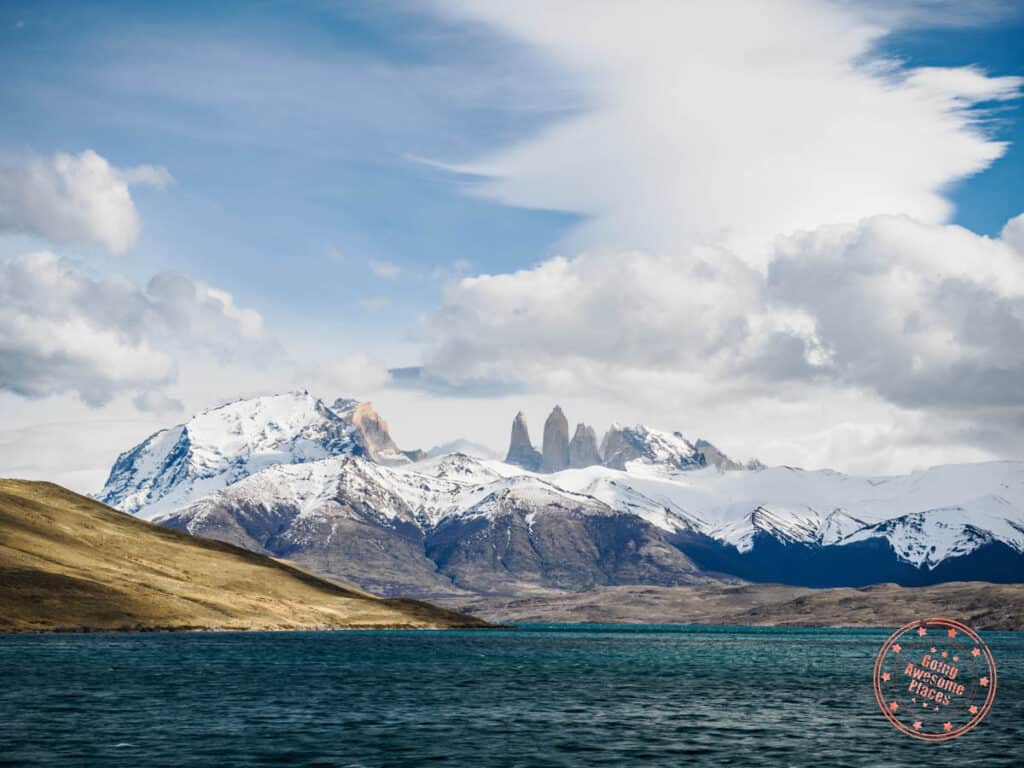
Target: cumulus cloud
[[63, 331], [856, 328], [629, 310], [1013, 233], [355, 375], [74, 198], [925, 315], [732, 122], [763, 253]]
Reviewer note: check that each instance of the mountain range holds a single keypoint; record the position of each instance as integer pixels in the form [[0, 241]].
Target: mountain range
[[325, 485]]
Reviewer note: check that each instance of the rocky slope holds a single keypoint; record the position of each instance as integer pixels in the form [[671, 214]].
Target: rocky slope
[[70, 563], [980, 605], [520, 450], [619, 446], [583, 450], [555, 453], [445, 526]]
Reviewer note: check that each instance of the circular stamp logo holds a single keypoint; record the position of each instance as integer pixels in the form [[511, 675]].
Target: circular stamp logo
[[935, 679]]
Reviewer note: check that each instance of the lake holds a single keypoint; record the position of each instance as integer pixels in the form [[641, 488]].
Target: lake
[[552, 695]]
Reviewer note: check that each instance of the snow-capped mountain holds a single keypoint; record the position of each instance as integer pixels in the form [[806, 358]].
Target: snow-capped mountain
[[223, 445], [325, 485], [444, 526], [623, 445]]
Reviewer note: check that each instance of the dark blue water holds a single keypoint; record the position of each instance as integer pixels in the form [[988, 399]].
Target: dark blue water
[[539, 696]]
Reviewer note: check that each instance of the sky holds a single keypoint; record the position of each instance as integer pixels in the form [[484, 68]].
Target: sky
[[792, 228]]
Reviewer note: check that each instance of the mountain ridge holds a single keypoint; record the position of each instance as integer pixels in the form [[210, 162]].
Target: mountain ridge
[[334, 492]]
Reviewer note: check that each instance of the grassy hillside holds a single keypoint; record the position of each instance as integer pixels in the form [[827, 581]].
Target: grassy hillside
[[68, 562]]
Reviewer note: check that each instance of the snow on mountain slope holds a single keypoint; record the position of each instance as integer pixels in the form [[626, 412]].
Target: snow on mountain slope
[[620, 491], [824, 507], [294, 453], [223, 445], [623, 446], [929, 537], [350, 486], [817, 508]]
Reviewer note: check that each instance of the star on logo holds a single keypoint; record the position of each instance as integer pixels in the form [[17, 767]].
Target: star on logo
[[951, 633], [932, 649], [983, 682], [917, 725], [956, 658], [972, 709], [885, 677], [947, 726], [897, 648], [893, 706], [922, 631], [945, 654], [975, 652]]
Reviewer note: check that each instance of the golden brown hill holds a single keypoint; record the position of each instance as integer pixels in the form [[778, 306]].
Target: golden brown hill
[[68, 562]]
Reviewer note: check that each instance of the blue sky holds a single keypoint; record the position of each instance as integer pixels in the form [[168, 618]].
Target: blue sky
[[296, 135], [340, 169], [297, 141], [986, 201]]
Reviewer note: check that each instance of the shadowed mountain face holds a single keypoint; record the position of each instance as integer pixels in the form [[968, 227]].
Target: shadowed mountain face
[[871, 561], [68, 562], [501, 537], [517, 544], [520, 450], [583, 448], [555, 456]]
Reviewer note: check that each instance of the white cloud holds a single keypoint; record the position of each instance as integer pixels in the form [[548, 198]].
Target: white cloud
[[74, 198], [62, 330], [385, 270], [154, 401], [763, 256], [732, 122], [356, 375], [924, 315], [1013, 233], [855, 335]]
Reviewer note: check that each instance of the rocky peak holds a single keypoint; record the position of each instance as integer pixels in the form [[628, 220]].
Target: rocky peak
[[714, 457], [556, 442], [583, 447], [624, 444], [520, 450], [374, 432]]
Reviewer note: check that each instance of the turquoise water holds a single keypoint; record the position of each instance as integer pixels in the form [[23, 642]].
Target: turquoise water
[[534, 696]]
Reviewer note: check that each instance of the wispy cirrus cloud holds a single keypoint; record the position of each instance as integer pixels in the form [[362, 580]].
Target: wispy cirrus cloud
[[733, 122]]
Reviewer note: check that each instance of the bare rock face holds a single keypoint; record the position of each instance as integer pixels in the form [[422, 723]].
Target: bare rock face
[[520, 450], [374, 431], [713, 456], [556, 442], [583, 448], [617, 447]]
